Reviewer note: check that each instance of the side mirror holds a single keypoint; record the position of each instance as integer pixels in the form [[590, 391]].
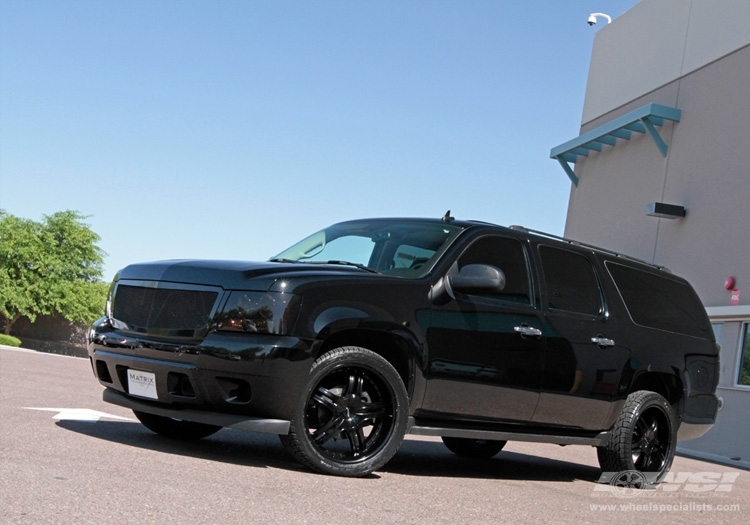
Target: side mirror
[[475, 278], [478, 278]]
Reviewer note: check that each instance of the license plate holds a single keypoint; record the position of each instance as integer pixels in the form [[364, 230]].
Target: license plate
[[142, 384]]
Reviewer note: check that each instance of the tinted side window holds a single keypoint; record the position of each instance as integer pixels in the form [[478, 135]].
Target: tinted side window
[[509, 256], [657, 301], [570, 282]]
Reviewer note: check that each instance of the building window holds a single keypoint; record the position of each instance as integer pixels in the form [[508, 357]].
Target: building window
[[743, 377]]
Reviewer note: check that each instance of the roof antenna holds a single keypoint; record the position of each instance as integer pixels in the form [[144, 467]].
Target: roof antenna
[[447, 217]]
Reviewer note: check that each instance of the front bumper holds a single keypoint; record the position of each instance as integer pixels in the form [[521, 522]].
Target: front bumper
[[253, 424], [245, 375]]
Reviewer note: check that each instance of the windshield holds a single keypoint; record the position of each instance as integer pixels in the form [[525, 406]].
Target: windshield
[[405, 248]]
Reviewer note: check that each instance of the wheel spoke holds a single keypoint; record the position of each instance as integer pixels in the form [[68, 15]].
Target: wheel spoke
[[640, 443], [660, 456], [642, 460], [328, 431], [356, 440], [355, 385], [370, 410], [327, 398], [649, 452], [651, 460], [641, 427]]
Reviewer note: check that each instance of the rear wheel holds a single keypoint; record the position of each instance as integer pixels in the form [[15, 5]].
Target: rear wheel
[[352, 417], [473, 448], [175, 428], [643, 439]]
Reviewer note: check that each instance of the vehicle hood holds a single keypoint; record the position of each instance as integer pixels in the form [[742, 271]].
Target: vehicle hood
[[230, 275]]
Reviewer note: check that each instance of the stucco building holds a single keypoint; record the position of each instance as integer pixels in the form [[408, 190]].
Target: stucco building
[[661, 171]]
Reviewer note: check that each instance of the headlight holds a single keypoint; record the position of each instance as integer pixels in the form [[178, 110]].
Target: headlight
[[259, 312]]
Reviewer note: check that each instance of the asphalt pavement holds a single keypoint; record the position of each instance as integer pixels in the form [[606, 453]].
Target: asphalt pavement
[[67, 457]]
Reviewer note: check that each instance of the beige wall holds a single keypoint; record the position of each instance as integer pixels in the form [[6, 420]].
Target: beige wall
[[707, 170], [693, 55], [658, 41]]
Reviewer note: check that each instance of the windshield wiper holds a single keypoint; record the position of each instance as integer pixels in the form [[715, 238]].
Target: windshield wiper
[[344, 263]]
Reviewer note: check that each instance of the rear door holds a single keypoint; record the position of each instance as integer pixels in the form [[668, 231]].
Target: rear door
[[583, 361]]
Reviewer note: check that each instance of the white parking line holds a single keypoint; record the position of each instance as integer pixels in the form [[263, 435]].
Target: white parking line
[[79, 414]]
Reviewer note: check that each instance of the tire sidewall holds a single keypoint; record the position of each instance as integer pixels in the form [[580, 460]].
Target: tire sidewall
[[655, 400], [328, 363], [617, 455]]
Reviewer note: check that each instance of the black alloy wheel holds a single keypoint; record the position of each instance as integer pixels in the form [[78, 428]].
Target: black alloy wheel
[[353, 415], [644, 437]]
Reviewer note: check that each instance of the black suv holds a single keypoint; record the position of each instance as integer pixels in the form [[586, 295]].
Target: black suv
[[371, 329]]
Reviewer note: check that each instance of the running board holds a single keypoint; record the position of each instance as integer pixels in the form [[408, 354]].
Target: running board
[[595, 441], [252, 424]]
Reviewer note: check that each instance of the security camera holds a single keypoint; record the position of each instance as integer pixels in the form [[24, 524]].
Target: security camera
[[594, 16]]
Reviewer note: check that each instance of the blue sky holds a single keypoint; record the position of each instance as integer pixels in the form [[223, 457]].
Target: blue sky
[[231, 129]]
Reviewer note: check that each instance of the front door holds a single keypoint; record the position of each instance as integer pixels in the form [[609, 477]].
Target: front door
[[485, 350]]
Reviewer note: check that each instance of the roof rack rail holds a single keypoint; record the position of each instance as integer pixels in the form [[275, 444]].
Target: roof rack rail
[[586, 245]]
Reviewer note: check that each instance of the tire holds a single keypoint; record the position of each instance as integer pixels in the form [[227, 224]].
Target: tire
[[352, 416], [175, 428], [643, 439], [473, 448]]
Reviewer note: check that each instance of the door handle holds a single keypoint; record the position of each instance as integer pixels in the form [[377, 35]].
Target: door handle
[[527, 331], [602, 341]]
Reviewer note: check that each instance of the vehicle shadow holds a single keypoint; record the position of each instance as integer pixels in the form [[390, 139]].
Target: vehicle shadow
[[414, 458], [422, 458], [227, 445]]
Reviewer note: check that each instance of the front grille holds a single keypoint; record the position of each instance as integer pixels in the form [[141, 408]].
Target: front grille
[[144, 308]]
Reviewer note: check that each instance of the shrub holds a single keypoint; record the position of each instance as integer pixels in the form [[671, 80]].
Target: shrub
[[9, 340], [48, 267]]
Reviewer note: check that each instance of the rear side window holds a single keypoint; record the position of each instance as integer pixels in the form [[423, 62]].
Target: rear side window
[[570, 281], [660, 302]]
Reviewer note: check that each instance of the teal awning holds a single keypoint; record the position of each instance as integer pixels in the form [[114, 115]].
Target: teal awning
[[642, 120]]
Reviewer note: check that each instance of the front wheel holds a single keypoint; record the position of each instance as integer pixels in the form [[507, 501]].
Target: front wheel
[[175, 428], [473, 448], [352, 417], [643, 439]]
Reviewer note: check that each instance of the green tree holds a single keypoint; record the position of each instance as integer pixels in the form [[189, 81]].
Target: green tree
[[53, 266]]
